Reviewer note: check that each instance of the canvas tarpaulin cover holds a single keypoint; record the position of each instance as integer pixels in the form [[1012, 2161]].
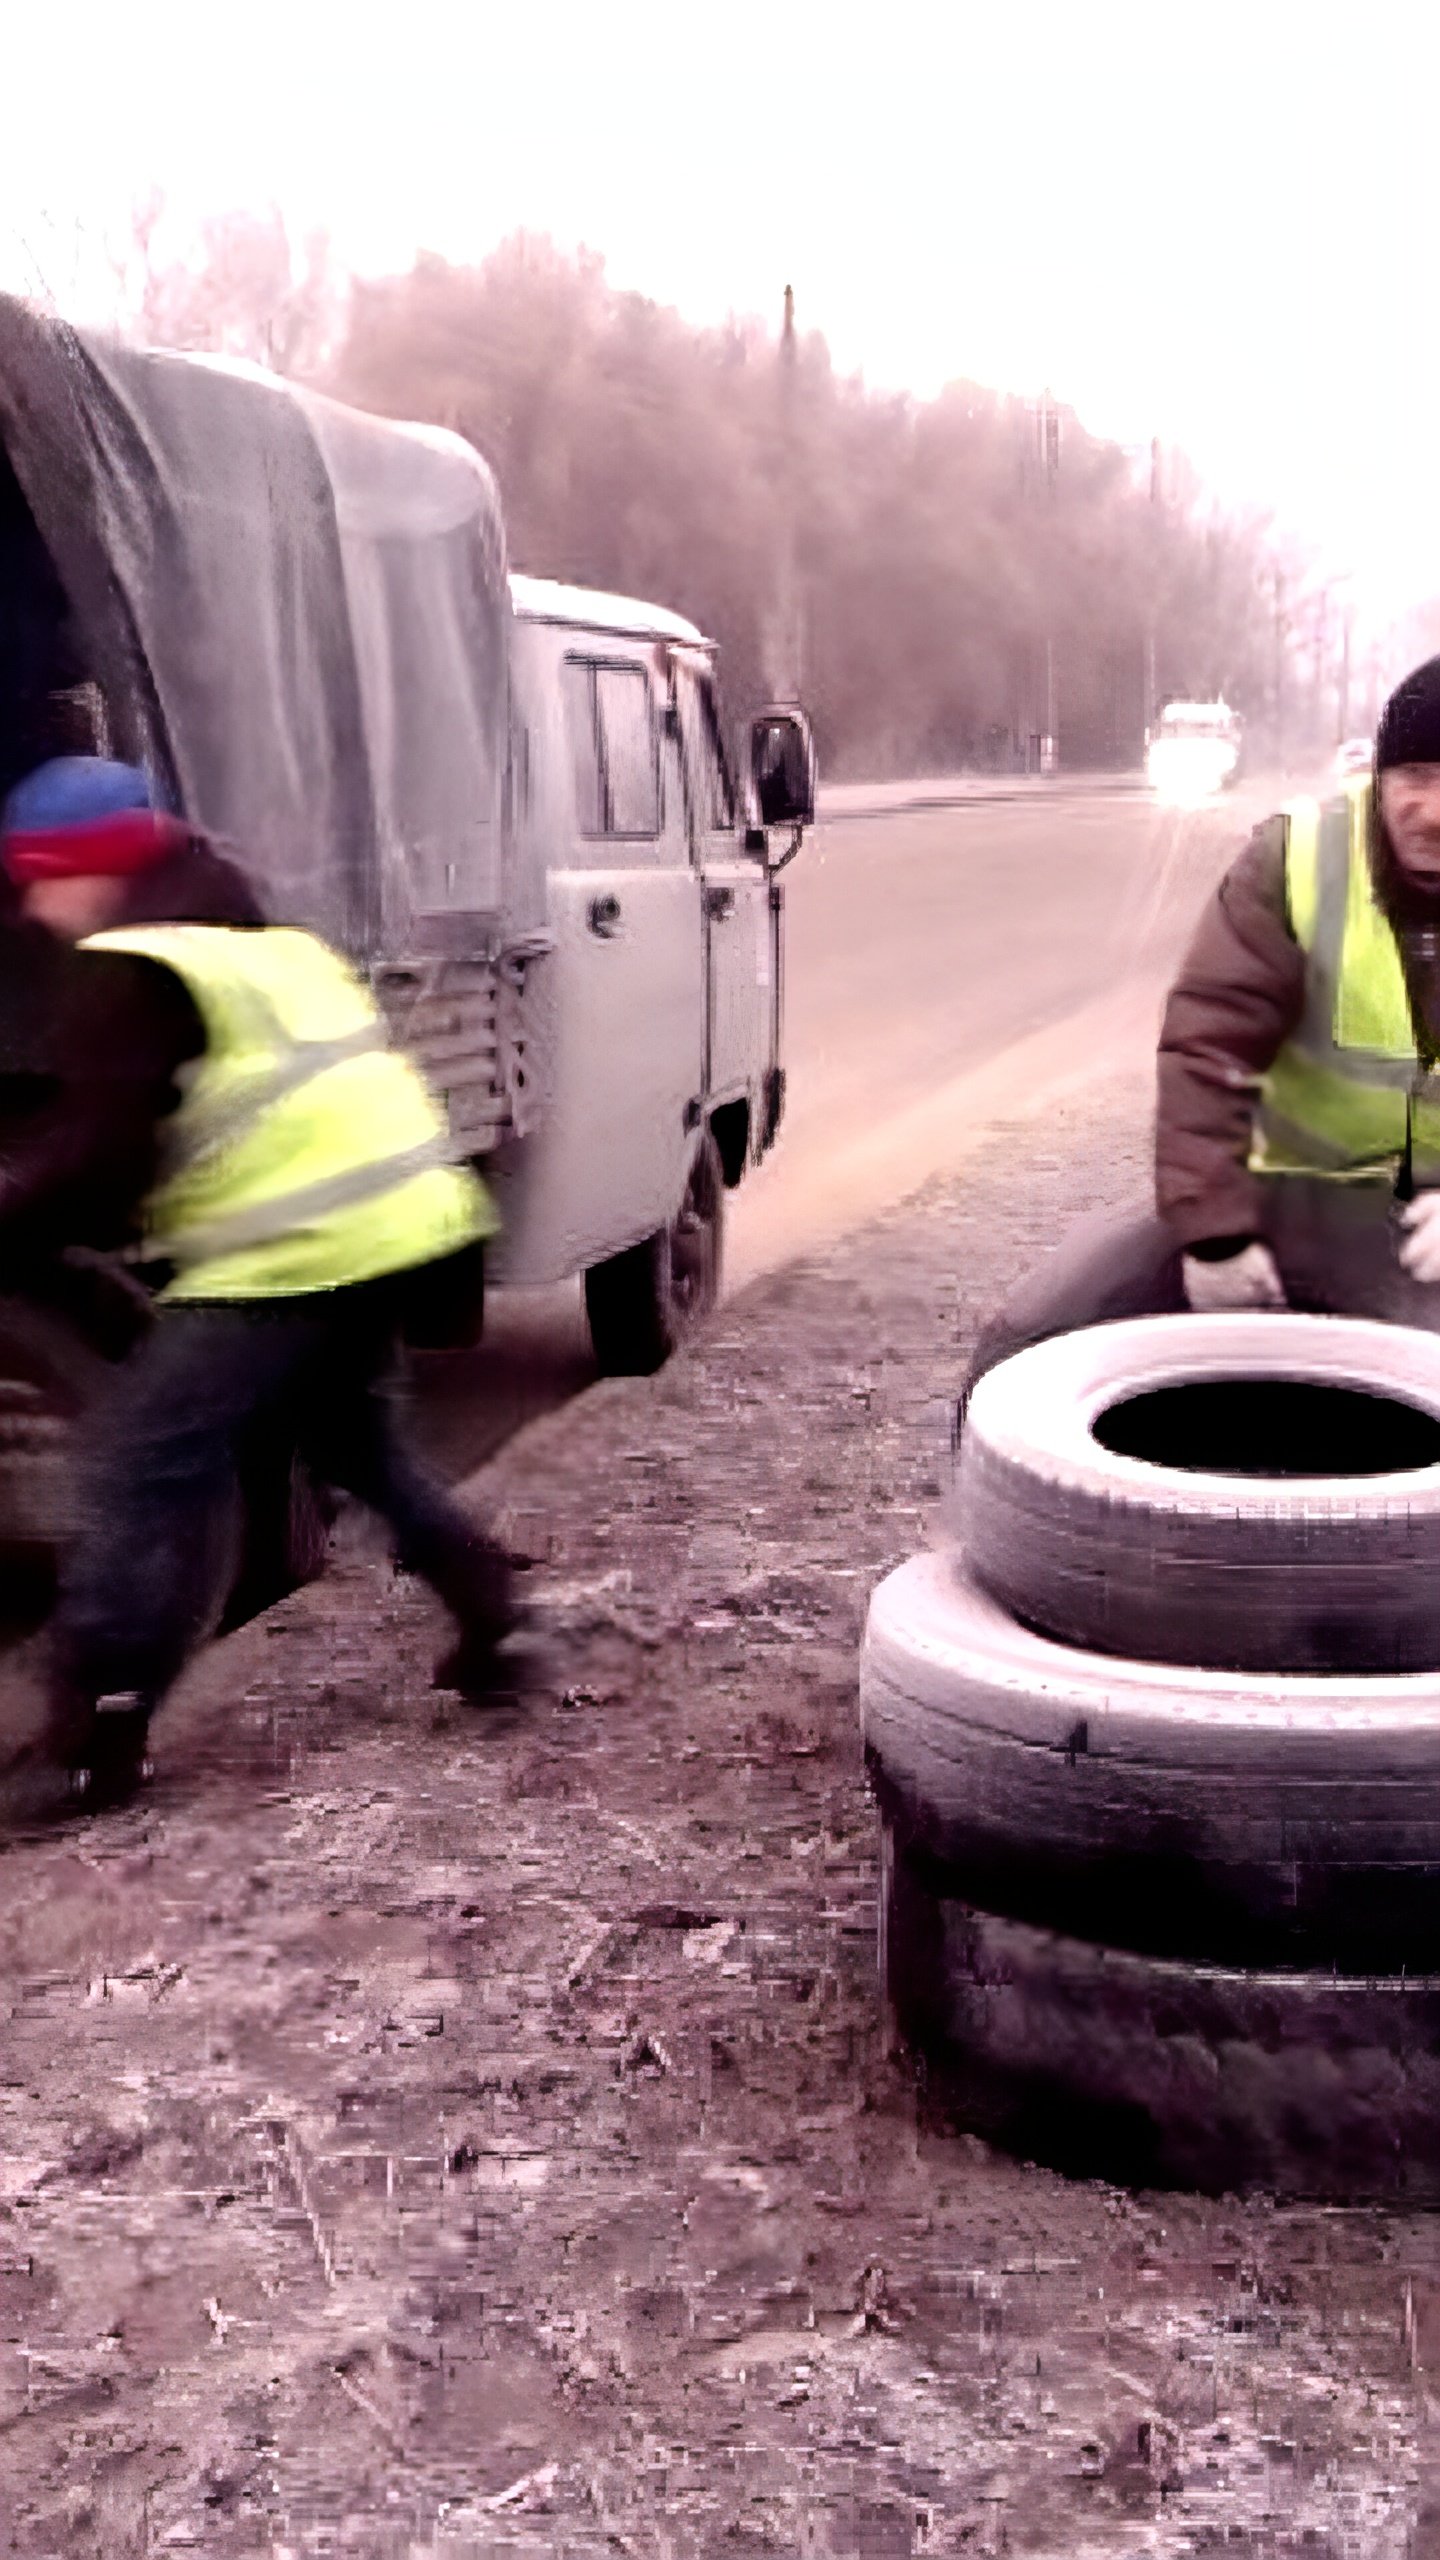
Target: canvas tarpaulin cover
[[298, 614]]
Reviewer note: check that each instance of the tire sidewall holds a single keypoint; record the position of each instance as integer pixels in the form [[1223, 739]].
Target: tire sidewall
[[1183, 1812], [637, 1322], [1121, 1555]]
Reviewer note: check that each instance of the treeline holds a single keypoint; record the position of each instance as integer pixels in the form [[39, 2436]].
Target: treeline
[[943, 579]]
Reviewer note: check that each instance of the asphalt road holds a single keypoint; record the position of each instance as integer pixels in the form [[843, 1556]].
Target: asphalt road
[[952, 965], [946, 966]]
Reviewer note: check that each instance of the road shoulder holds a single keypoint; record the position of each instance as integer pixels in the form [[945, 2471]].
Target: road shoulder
[[489, 2122]]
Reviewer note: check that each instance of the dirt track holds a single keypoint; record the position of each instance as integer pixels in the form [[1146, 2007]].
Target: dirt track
[[424, 2134]]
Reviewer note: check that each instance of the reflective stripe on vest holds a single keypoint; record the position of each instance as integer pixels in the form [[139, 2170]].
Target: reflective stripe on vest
[[305, 1153], [1334, 1102]]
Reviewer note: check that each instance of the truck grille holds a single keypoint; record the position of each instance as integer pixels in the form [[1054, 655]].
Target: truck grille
[[464, 1022]]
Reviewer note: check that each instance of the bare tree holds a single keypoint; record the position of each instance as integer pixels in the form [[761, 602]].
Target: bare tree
[[240, 285]]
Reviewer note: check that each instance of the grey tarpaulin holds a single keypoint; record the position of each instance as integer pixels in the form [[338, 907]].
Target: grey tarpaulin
[[298, 614]]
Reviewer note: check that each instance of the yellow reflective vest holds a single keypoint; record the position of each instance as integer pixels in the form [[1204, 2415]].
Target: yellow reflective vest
[[1335, 1102], [305, 1153]]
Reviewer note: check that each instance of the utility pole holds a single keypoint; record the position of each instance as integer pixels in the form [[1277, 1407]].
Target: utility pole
[[1321, 660], [1049, 749], [1156, 500], [1051, 437], [1342, 688], [1050, 460], [785, 671], [1279, 668]]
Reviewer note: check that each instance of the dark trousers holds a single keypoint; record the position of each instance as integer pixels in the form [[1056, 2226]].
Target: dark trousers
[[159, 1494], [1334, 1244]]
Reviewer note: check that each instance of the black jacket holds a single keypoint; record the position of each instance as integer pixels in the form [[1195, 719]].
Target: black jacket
[[91, 1052]]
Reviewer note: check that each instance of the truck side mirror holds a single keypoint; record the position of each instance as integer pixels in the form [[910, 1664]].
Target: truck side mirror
[[782, 768]]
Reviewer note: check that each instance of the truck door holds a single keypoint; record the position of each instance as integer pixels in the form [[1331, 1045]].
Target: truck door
[[623, 1035], [739, 970]]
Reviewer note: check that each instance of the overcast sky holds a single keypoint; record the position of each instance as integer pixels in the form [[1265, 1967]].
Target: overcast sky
[[1212, 223]]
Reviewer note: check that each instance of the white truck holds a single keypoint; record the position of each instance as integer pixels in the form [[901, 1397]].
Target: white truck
[[509, 800], [655, 1021], [1193, 751]]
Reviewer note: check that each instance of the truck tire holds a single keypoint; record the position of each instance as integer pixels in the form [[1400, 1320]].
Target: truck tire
[[285, 1535], [1248, 1492], [645, 1303], [1181, 1813], [49, 1374], [1150, 2073], [53, 1367]]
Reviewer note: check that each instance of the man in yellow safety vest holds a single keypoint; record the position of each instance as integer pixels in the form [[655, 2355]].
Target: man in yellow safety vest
[[1297, 1141], [292, 1176]]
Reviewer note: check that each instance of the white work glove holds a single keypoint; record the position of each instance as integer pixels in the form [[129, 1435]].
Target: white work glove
[[1420, 1252], [1245, 1279]]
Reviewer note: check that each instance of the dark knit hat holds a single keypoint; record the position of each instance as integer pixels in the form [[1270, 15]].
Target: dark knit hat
[[1409, 731]]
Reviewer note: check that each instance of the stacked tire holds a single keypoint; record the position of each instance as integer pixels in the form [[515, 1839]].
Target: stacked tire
[[1155, 1733]]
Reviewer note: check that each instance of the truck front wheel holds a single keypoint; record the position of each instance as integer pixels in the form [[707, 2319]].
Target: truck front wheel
[[645, 1303]]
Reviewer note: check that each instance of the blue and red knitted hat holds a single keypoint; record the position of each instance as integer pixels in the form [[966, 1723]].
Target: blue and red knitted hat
[[82, 815]]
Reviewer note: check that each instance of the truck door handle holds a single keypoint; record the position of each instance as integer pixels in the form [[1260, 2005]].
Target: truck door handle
[[604, 917], [719, 902]]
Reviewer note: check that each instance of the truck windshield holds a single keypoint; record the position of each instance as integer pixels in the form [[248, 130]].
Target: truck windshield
[[1184, 720]]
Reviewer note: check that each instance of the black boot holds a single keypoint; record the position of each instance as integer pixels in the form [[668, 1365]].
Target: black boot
[[491, 1656], [100, 1743], [496, 1653], [479, 1588]]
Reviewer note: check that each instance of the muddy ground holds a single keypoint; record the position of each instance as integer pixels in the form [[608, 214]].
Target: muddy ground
[[425, 2133]]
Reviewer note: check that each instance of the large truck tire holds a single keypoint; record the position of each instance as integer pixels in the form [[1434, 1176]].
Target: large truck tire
[[1182, 1813], [49, 1375], [284, 1540], [55, 1361], [1247, 1492], [645, 1303], [1151, 2073]]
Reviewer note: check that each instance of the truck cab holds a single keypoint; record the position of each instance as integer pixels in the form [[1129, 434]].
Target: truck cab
[[658, 1003]]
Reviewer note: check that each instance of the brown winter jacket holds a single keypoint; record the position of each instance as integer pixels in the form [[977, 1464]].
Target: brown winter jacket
[[1233, 1006]]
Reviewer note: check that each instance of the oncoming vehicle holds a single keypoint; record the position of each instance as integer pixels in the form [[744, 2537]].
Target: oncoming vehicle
[[1353, 755], [508, 802], [1193, 751]]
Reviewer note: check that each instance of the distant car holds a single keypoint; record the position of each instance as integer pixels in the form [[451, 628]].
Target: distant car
[[1356, 755]]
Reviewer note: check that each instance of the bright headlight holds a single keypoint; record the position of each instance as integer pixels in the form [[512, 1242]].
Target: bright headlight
[[1182, 771]]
